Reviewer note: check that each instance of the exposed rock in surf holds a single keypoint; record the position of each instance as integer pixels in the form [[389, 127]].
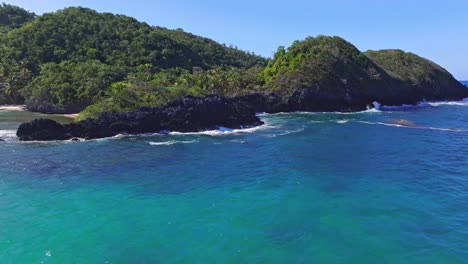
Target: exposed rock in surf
[[189, 114]]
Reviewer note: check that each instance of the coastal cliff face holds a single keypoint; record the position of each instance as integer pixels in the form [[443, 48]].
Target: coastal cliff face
[[189, 114]]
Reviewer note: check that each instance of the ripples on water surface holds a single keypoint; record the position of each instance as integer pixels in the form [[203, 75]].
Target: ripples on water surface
[[306, 188]]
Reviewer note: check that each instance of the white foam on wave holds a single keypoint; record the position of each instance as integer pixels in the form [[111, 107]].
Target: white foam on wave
[[344, 121], [287, 113], [413, 127], [223, 131], [316, 122], [376, 105], [377, 108], [8, 135], [370, 110], [171, 142], [463, 102], [287, 132]]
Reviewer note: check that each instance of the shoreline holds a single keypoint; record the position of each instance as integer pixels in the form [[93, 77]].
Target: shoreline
[[22, 108], [18, 108], [233, 113], [73, 116]]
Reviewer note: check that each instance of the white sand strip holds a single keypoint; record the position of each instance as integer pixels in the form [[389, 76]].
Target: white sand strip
[[12, 108]]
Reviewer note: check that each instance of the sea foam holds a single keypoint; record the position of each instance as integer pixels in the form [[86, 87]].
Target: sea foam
[[8, 135], [223, 131], [413, 127], [403, 107], [171, 142]]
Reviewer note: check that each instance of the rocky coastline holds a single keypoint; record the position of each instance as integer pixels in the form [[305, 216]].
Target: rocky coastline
[[194, 114], [189, 114]]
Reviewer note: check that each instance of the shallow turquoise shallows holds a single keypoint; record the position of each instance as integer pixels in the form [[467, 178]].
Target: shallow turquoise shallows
[[385, 186]]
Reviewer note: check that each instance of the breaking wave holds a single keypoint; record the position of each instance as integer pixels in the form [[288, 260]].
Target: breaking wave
[[171, 142], [413, 127], [463, 102], [223, 131], [8, 135]]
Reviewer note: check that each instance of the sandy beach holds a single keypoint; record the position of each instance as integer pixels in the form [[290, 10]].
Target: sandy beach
[[22, 108], [70, 115], [12, 108]]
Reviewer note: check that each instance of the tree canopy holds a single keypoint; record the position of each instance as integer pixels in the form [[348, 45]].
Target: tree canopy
[[420, 74], [143, 88], [13, 17], [78, 59], [323, 63], [81, 34], [61, 43]]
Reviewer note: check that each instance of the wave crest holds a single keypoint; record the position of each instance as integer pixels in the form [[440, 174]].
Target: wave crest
[[413, 127], [171, 142], [223, 131], [463, 102], [8, 135]]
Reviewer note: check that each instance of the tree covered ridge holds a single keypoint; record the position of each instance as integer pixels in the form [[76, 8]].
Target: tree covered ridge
[[406, 66], [335, 72], [326, 64], [82, 34], [421, 75], [78, 59], [79, 36], [318, 70]]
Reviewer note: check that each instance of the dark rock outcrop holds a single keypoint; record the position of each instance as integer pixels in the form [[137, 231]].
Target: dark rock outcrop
[[189, 114], [41, 129], [303, 100], [313, 100]]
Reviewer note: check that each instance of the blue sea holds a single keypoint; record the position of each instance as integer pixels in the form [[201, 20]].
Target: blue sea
[[379, 186]]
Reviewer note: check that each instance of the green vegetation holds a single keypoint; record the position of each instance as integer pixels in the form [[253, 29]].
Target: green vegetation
[[322, 63], [421, 75], [56, 48], [12, 17], [71, 85], [13, 76], [82, 34], [78, 59], [405, 66], [146, 89]]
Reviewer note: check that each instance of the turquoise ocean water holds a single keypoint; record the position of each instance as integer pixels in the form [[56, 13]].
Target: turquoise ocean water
[[305, 188]]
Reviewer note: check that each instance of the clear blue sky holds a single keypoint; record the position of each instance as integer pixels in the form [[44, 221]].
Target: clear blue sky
[[437, 30]]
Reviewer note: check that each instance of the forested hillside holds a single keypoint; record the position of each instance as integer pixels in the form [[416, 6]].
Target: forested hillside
[[422, 75], [79, 60], [55, 48]]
